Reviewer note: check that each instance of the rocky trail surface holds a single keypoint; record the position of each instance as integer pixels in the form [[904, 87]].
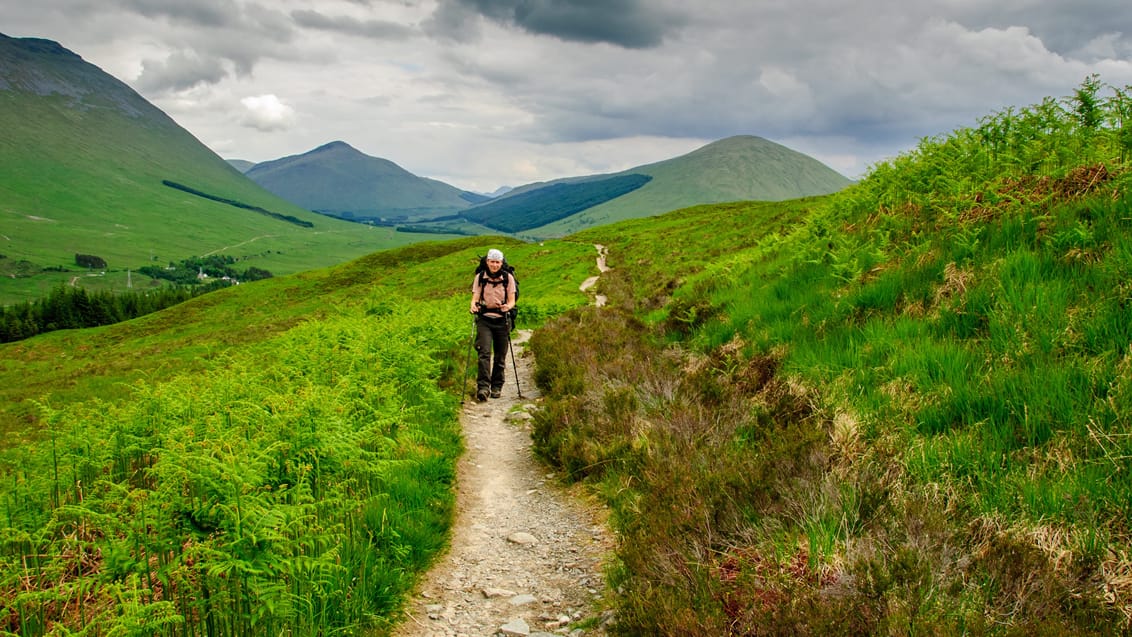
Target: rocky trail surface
[[526, 553]]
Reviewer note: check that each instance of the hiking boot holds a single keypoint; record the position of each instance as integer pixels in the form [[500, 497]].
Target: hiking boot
[[481, 395], [496, 393]]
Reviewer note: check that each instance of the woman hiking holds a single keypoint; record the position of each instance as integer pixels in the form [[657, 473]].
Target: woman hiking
[[493, 296]]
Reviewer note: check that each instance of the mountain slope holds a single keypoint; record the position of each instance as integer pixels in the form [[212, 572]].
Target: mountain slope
[[337, 179], [84, 158], [241, 165], [743, 167]]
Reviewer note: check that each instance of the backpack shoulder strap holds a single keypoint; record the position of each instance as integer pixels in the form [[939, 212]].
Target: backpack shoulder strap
[[482, 281]]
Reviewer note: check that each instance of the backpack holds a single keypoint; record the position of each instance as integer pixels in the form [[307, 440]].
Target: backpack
[[481, 271]]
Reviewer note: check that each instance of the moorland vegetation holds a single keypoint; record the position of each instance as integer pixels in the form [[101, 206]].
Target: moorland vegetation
[[903, 408]]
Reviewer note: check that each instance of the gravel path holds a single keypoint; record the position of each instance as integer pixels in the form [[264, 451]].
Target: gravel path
[[526, 553]]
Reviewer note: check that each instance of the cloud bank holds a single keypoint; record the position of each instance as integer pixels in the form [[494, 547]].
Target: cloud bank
[[484, 93]]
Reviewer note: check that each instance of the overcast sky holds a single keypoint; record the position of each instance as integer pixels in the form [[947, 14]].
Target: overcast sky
[[486, 93]]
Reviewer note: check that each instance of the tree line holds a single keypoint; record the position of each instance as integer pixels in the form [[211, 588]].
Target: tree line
[[69, 307], [239, 204]]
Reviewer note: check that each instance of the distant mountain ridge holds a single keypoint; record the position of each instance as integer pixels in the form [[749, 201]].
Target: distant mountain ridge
[[46, 68], [339, 180]]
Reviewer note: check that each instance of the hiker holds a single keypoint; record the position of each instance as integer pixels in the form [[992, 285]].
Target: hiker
[[493, 296]]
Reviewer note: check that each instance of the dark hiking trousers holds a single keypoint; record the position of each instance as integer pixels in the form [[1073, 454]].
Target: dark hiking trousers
[[491, 338]]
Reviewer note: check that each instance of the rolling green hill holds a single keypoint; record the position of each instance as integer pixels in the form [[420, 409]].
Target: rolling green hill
[[337, 179], [83, 160], [737, 168]]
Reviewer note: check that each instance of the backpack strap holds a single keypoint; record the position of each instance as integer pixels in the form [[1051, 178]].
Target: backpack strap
[[483, 281]]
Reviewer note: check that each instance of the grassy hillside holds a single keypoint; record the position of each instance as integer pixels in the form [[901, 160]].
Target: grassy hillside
[[73, 365], [274, 457], [903, 410], [737, 168], [83, 159], [336, 179]]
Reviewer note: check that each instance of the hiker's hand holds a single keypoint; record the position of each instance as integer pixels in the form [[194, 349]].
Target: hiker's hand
[[474, 308], [504, 308]]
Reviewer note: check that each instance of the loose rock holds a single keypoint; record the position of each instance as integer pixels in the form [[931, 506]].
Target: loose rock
[[525, 539]]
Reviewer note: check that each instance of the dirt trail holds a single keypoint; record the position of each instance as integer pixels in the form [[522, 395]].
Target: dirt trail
[[526, 553], [600, 299]]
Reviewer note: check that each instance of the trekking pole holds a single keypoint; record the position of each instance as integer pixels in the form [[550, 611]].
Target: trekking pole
[[468, 364], [514, 365]]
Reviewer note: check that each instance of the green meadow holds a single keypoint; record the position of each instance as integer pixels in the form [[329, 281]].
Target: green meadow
[[899, 409]]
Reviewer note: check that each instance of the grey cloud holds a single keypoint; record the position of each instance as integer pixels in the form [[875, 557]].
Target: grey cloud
[[1064, 27], [884, 84], [183, 70], [217, 48], [453, 21], [210, 13], [267, 25], [631, 24], [364, 28]]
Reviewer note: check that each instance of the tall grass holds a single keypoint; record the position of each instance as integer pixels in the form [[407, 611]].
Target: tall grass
[[906, 412]]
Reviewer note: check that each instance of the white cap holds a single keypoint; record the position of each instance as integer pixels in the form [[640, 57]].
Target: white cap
[[494, 255]]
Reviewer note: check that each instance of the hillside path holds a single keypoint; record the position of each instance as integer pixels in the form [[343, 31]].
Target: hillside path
[[600, 299], [526, 553]]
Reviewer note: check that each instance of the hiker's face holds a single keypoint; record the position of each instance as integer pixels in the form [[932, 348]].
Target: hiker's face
[[494, 265]]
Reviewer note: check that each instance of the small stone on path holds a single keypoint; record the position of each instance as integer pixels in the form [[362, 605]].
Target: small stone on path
[[516, 627], [525, 539]]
